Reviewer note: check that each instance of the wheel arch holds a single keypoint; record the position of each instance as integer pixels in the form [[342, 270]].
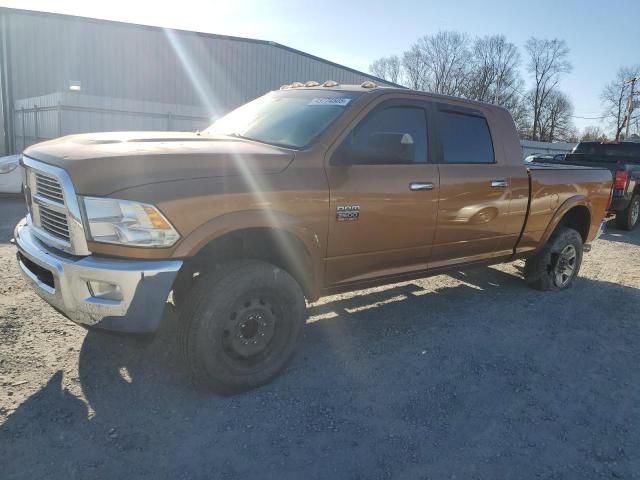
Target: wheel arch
[[275, 237], [574, 213]]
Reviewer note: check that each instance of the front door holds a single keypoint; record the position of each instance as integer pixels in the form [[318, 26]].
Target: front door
[[383, 195]]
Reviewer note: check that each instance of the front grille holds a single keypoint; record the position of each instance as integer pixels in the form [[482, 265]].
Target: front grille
[[53, 207], [49, 188], [54, 222]]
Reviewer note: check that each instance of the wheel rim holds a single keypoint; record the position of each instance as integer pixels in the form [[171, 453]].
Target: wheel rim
[[635, 211], [565, 266], [249, 331]]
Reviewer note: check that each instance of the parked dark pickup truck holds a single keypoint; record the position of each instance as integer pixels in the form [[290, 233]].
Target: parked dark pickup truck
[[304, 192], [623, 160]]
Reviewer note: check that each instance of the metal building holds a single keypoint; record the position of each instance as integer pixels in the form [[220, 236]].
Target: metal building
[[62, 74]]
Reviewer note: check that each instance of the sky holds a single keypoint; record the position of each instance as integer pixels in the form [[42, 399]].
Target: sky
[[602, 35]]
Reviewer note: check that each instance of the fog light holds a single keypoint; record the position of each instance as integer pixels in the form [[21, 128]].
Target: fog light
[[104, 290]]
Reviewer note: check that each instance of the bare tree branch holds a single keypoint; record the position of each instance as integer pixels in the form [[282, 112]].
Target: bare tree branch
[[614, 97], [555, 117], [592, 133], [547, 62], [387, 68]]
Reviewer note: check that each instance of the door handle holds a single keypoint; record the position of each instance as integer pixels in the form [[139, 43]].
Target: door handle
[[499, 184], [418, 186]]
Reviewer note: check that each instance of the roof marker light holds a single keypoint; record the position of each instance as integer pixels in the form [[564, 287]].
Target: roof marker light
[[311, 83], [284, 87], [330, 83], [368, 84], [296, 85]]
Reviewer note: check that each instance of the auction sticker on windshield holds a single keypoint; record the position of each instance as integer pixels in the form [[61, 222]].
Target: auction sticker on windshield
[[342, 102]]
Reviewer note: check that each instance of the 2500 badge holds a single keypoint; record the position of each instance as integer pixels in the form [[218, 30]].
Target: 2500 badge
[[347, 213]]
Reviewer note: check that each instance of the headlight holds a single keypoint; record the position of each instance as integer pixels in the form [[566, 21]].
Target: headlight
[[8, 167], [127, 223]]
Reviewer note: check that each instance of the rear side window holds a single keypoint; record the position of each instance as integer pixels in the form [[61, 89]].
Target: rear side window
[[465, 138], [388, 135]]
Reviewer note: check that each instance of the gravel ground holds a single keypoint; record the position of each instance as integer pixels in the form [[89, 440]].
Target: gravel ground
[[468, 375]]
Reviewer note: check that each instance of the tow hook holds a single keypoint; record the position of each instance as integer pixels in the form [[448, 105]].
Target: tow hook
[[586, 248]]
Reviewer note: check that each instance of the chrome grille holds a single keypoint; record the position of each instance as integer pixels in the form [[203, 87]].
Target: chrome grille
[[49, 188], [54, 211], [54, 222]]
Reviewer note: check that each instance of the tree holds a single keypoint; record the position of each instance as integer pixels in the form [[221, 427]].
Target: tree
[[555, 117], [547, 62], [592, 133], [387, 68], [438, 63], [493, 75], [414, 68], [615, 97]]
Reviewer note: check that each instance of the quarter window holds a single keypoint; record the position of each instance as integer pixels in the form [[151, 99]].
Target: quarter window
[[465, 138]]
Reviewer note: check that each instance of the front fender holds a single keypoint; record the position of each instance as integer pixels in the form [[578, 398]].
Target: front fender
[[246, 219]]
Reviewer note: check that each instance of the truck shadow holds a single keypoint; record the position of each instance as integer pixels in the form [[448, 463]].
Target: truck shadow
[[405, 380]]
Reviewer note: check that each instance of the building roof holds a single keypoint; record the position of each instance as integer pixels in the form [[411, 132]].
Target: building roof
[[202, 34]]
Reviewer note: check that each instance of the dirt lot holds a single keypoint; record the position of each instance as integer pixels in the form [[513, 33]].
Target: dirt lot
[[471, 375]]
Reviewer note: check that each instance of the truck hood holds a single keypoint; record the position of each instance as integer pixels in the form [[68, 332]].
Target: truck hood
[[104, 163]]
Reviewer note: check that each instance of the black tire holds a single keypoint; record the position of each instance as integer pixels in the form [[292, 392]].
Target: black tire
[[180, 292], [240, 325], [556, 266], [628, 218]]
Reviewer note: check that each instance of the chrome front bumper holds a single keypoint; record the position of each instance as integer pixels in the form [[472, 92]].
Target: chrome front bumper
[[63, 281]]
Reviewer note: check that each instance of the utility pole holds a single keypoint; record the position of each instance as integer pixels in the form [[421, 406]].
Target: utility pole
[[632, 82]]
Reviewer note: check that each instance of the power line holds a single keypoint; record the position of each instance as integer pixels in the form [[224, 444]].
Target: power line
[[588, 118], [523, 97]]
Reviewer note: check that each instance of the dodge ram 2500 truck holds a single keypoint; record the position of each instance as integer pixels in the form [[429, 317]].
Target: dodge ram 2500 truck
[[307, 191]]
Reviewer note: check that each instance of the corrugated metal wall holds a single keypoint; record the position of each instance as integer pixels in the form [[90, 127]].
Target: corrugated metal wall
[[50, 116], [148, 64]]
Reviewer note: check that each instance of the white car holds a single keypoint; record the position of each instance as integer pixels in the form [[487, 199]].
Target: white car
[[10, 174]]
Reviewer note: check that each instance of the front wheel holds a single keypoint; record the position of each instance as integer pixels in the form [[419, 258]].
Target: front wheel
[[241, 325], [628, 218], [556, 266]]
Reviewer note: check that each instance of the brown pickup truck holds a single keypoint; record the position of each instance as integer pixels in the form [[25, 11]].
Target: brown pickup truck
[[304, 192]]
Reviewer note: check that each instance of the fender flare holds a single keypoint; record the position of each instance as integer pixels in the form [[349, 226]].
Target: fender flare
[[575, 201], [246, 219]]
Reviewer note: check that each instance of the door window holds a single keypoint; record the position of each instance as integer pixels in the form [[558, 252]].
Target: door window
[[388, 135], [465, 138]]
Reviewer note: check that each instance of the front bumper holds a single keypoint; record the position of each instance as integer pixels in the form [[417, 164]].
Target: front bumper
[[63, 281]]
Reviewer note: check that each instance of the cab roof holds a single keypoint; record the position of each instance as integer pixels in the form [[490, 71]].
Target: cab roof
[[370, 87]]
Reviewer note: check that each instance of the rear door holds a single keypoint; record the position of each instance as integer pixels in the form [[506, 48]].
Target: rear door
[[474, 191], [383, 194]]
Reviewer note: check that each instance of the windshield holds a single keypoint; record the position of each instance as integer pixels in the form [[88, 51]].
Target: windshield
[[289, 118]]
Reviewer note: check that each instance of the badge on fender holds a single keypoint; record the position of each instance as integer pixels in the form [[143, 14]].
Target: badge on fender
[[347, 213]]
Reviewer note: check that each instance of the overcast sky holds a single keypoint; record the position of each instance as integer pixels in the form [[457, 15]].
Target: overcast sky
[[602, 35]]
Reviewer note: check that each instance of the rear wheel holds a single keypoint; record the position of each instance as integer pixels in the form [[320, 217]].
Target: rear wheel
[[628, 218], [241, 325], [556, 266]]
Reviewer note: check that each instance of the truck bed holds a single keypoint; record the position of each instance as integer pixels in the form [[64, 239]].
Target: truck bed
[[556, 186]]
